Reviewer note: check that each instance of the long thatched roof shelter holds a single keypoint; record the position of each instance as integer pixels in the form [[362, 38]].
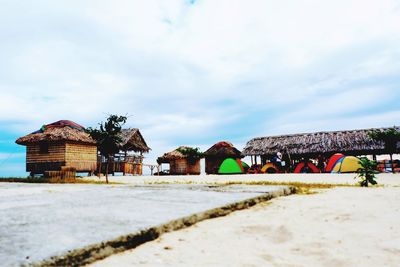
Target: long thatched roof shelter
[[132, 140], [353, 142]]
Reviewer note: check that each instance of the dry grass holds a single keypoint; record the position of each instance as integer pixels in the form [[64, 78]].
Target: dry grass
[[293, 184], [300, 188]]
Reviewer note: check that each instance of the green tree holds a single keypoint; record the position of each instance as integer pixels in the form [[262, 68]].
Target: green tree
[[367, 172], [192, 154], [390, 137], [108, 137]]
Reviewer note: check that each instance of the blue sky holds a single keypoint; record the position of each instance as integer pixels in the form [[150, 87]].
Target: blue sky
[[197, 72]]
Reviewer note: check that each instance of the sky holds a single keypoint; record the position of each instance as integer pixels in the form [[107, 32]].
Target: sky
[[197, 72]]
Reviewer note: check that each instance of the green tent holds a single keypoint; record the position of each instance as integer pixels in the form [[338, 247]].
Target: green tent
[[245, 166], [230, 166]]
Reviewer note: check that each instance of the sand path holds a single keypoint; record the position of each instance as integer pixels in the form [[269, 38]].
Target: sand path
[[344, 226]]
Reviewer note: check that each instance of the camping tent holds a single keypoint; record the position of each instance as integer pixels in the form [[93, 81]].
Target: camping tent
[[269, 168], [245, 166], [230, 166], [302, 168], [347, 164], [332, 161]]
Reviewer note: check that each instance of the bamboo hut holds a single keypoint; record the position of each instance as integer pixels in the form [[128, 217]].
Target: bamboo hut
[[130, 158], [216, 154], [312, 145], [179, 163], [59, 146]]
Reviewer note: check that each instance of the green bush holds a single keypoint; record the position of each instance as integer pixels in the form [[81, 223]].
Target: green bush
[[367, 172], [192, 154]]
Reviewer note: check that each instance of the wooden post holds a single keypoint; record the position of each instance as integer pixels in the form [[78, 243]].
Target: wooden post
[[123, 164], [108, 159], [391, 162], [100, 167]]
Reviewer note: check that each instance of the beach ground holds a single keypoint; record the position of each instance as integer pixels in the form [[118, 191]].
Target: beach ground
[[386, 179], [341, 226]]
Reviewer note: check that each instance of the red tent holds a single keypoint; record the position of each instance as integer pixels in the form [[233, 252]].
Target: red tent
[[332, 161]]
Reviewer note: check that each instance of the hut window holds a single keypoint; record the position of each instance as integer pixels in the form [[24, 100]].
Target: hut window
[[44, 148]]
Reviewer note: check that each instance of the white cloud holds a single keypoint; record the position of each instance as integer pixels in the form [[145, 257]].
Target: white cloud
[[188, 71]]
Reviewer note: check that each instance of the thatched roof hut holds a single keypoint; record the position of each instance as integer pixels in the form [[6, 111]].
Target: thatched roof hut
[[173, 155], [126, 161], [216, 154], [58, 131], [223, 149], [179, 163], [353, 142], [132, 140], [58, 145]]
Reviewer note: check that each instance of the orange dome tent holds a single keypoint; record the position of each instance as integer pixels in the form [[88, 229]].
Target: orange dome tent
[[332, 161]]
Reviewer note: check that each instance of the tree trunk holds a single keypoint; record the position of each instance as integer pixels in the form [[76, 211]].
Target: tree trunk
[[100, 166], [391, 162], [108, 158]]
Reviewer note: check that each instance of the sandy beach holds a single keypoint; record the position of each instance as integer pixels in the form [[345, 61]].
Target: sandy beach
[[342, 226], [385, 179]]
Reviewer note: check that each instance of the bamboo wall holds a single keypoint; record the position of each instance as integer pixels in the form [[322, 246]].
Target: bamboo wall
[[182, 167], [213, 163], [124, 167], [132, 168], [38, 162], [61, 154], [82, 157]]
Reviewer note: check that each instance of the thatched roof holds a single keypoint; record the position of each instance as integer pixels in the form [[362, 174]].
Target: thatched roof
[[63, 130], [223, 149], [173, 155], [132, 140], [355, 142]]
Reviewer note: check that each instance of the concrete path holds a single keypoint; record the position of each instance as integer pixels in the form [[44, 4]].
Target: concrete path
[[38, 221]]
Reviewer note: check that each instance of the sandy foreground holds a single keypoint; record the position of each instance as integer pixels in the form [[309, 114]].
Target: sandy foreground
[[342, 226], [386, 179]]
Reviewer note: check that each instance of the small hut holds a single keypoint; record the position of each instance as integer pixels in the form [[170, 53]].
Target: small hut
[[58, 146], [130, 158], [216, 154], [180, 164]]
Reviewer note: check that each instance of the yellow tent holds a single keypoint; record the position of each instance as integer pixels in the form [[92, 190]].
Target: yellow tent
[[347, 164], [269, 168]]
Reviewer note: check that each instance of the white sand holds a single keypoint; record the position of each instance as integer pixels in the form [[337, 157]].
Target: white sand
[[327, 178], [344, 226]]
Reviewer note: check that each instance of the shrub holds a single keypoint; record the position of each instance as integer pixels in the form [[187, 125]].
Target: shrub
[[367, 172]]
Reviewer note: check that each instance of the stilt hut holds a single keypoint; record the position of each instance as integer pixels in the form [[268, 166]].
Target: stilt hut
[[180, 164], [216, 154], [57, 146], [315, 145], [130, 158]]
